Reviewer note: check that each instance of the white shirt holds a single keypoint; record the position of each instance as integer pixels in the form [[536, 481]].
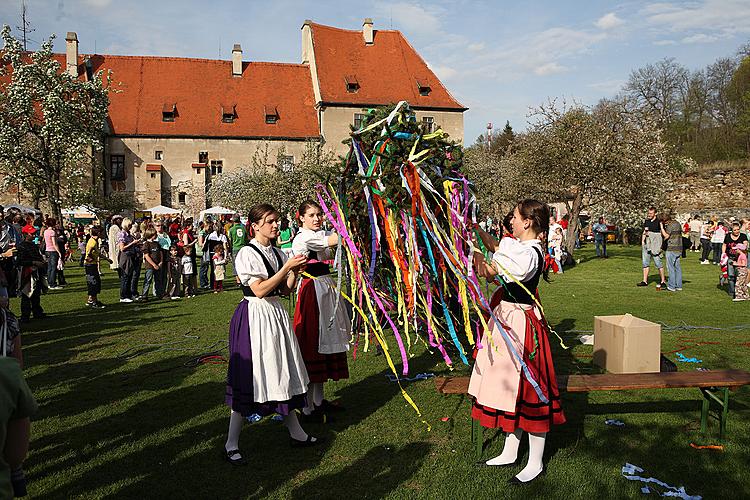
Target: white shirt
[[313, 244], [518, 259], [187, 265], [250, 267]]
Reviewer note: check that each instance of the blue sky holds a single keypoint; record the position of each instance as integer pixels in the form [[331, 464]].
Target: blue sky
[[497, 58]]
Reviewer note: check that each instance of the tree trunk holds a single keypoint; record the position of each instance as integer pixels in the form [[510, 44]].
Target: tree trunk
[[574, 223]]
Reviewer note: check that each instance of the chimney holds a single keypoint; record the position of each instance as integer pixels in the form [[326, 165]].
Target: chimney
[[306, 41], [236, 60], [71, 54], [367, 31]]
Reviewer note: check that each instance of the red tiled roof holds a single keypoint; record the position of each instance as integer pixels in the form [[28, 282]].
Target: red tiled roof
[[199, 89], [387, 71]]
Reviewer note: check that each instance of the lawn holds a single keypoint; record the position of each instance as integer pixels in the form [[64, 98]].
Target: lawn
[[126, 412]]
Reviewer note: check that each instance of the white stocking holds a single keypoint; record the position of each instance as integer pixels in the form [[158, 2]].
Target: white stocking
[[536, 453], [295, 429], [314, 397], [235, 427], [510, 449]]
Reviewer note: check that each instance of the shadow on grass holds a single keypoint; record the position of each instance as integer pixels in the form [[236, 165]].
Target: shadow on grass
[[379, 472]]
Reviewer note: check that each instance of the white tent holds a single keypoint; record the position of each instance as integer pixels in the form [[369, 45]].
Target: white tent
[[217, 210], [82, 212], [162, 210], [23, 208]]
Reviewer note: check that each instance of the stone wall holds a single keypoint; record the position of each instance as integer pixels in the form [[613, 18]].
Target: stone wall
[[721, 189]]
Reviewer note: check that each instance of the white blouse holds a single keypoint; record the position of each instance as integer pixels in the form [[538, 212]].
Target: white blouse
[[518, 258], [313, 244], [249, 266]]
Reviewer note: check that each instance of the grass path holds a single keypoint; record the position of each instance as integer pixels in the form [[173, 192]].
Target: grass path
[[121, 416]]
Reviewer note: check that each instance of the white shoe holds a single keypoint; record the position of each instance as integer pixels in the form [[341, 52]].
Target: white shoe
[[126, 301], [704, 262], [175, 298], [738, 300]]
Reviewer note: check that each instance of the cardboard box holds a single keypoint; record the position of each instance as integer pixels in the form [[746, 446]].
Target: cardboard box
[[626, 344]]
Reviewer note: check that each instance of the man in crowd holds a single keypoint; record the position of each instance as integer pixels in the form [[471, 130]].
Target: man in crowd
[[31, 263], [695, 234], [651, 240], [600, 231], [164, 241], [10, 237], [237, 236]]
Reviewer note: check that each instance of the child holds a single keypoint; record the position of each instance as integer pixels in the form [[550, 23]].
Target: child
[[740, 267], [173, 274], [555, 244], [187, 272], [220, 263], [91, 257]]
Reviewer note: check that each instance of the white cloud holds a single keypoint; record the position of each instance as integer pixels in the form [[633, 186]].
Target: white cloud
[[665, 42], [550, 68], [98, 3], [607, 86], [722, 16], [476, 47], [700, 38], [412, 18], [608, 21]]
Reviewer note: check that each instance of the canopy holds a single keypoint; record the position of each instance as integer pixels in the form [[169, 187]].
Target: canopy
[[162, 210], [217, 210], [82, 212], [23, 208]]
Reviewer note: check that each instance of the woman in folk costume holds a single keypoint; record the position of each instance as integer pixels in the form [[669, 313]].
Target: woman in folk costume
[[266, 373], [321, 320], [504, 396]]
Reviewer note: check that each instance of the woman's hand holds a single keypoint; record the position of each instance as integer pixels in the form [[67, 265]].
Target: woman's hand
[[296, 263]]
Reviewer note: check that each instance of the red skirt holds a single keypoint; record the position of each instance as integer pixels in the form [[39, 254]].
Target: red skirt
[[320, 367], [531, 415]]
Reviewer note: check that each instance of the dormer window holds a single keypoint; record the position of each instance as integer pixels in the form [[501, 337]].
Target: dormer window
[[424, 86], [352, 84], [228, 113], [272, 114], [168, 112]]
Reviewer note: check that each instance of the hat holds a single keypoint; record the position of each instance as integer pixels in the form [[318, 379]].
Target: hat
[[28, 229], [116, 216]]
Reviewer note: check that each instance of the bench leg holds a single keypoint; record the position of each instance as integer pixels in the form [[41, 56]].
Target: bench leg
[[477, 438], [722, 401]]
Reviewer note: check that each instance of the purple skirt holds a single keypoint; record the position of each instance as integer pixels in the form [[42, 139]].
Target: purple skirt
[[239, 395]]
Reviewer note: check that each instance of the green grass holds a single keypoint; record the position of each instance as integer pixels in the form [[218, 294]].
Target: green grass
[[112, 424]]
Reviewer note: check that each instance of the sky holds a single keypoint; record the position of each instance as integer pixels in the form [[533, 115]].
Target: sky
[[498, 58]]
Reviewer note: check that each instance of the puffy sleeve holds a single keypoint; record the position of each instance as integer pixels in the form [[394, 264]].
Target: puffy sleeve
[[514, 259], [249, 266], [310, 241]]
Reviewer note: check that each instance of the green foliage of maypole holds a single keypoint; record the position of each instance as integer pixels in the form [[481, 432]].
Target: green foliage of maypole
[[51, 123]]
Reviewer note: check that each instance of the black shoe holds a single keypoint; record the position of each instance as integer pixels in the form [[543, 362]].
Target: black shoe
[[296, 443], [227, 455], [318, 416], [332, 407], [40, 316], [661, 286], [642, 283], [24, 320]]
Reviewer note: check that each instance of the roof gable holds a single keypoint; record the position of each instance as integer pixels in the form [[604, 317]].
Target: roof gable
[[387, 71]]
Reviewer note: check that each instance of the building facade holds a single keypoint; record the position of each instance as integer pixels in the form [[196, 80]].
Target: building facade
[[176, 123]]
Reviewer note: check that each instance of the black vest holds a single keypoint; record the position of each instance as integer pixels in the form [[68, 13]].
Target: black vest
[[246, 290], [517, 295]]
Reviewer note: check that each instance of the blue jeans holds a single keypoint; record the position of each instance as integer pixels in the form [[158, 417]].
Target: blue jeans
[[52, 259], [203, 273], [675, 270], [732, 278], [152, 277], [600, 252], [137, 264]]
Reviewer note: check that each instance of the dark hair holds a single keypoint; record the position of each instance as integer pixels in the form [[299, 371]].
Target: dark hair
[[50, 222], [652, 208], [258, 212], [538, 213], [306, 205], [96, 231], [506, 222]]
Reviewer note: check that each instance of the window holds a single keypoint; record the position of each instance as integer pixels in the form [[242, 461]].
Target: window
[[228, 112], [203, 157], [352, 84], [198, 171], [359, 119], [428, 124], [158, 155], [272, 113], [117, 167], [168, 112], [181, 197], [424, 87], [217, 166], [227, 117], [286, 163], [153, 175]]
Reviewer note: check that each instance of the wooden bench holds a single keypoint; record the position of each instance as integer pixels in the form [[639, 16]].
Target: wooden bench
[[714, 387]]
